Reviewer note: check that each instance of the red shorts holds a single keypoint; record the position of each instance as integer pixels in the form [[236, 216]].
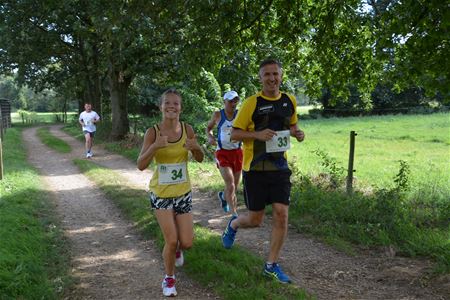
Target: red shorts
[[230, 158]]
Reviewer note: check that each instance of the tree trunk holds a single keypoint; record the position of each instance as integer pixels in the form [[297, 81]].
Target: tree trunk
[[93, 93], [118, 85]]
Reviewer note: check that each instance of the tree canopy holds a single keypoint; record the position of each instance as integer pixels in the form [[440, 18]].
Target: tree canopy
[[100, 51]]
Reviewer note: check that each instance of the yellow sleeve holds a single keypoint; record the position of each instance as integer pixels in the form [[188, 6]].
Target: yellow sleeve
[[244, 116], [294, 118]]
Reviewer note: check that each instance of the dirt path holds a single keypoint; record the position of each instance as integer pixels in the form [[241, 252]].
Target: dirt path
[[321, 270], [110, 261]]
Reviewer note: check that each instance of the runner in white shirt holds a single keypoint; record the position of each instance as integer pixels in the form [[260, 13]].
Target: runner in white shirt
[[87, 119]]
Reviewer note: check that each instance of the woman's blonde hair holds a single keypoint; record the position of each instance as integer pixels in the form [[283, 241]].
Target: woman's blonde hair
[[168, 91]]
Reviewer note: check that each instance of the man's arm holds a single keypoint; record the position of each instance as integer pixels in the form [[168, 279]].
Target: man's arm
[[238, 134], [211, 124], [97, 118], [80, 120]]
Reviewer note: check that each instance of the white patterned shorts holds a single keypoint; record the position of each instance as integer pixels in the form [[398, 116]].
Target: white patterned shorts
[[180, 205]]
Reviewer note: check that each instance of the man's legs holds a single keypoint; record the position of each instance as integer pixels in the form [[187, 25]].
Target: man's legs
[[230, 187], [279, 230], [250, 220], [91, 142], [237, 178], [88, 143], [279, 191]]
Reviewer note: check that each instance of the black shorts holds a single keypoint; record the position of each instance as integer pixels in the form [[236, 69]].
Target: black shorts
[[92, 134], [263, 188]]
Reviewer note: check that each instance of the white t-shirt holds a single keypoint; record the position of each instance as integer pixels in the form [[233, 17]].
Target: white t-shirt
[[88, 118]]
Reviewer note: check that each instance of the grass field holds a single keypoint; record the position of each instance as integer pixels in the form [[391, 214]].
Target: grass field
[[304, 110], [44, 117], [423, 141]]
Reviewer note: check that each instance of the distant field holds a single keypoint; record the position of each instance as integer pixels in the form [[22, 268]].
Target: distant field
[[304, 110], [47, 117], [423, 141]]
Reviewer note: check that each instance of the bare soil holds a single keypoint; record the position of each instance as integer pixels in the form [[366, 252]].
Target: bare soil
[[111, 261]]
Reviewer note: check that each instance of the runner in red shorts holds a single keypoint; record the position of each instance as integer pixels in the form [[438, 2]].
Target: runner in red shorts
[[228, 153]]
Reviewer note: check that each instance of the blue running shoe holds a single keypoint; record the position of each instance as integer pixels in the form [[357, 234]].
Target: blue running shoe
[[275, 272], [223, 202], [229, 234]]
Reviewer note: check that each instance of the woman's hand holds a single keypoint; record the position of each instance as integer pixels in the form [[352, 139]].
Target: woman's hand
[[160, 141], [192, 144]]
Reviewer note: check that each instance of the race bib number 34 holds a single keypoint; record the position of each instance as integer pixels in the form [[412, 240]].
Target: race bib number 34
[[280, 142], [172, 173]]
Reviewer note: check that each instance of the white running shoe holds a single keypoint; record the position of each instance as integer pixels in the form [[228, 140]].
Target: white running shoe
[[179, 258], [168, 286]]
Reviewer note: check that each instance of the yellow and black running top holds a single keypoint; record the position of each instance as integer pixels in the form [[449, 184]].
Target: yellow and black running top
[[257, 113]]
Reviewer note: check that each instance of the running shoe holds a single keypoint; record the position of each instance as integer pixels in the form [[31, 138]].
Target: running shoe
[[229, 234], [168, 286], [179, 258], [276, 273], [223, 202], [88, 155]]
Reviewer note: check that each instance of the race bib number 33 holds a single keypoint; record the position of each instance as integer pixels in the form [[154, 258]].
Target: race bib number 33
[[172, 173], [280, 142]]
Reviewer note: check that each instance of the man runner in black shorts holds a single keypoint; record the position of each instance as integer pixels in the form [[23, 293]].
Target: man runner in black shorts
[[265, 123]]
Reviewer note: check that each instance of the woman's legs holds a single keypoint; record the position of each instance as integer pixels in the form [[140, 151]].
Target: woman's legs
[[166, 220]]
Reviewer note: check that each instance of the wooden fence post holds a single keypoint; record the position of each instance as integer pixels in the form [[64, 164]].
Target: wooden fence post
[[351, 157]]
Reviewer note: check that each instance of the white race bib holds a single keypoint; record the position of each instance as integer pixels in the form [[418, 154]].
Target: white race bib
[[226, 134], [280, 142], [172, 173], [88, 122]]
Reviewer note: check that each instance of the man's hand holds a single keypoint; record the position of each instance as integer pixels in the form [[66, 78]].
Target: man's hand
[[212, 141], [297, 133], [265, 135]]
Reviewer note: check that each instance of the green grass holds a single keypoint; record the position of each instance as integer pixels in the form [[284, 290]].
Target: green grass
[[42, 117], [232, 274], [74, 130], [51, 141], [415, 220], [304, 110], [383, 219], [423, 141], [34, 259]]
